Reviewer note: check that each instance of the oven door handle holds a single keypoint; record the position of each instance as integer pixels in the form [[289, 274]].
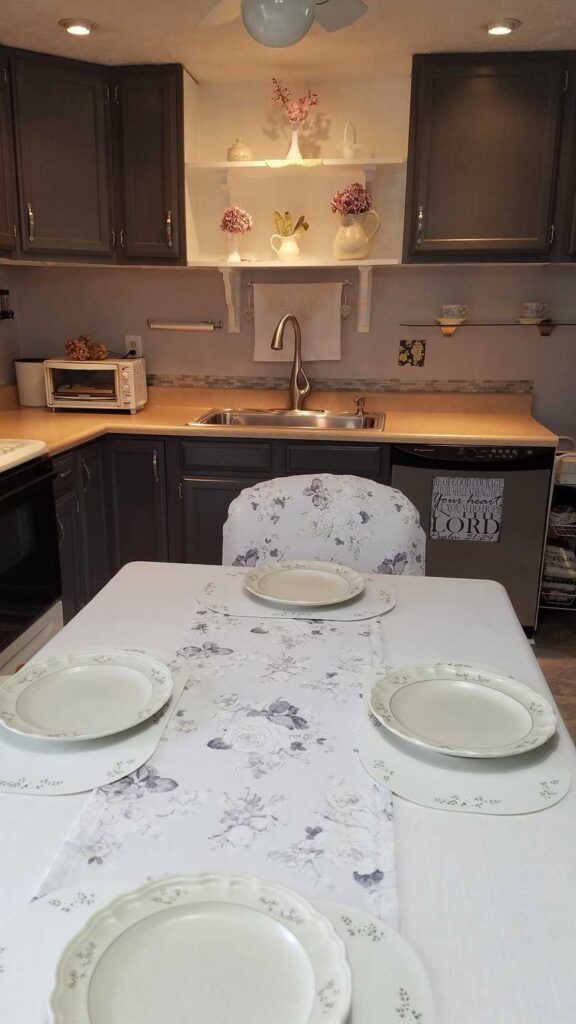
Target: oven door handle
[[26, 487]]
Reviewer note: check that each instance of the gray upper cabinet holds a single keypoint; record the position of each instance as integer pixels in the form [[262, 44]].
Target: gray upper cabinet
[[565, 212], [7, 209], [61, 153], [483, 154], [151, 163]]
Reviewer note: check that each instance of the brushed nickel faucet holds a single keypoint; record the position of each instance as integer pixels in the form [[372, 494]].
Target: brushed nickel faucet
[[299, 383]]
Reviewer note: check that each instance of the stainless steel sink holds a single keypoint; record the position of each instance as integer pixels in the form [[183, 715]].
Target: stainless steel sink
[[312, 419]]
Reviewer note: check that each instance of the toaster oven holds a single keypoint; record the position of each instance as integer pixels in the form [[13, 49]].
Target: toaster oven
[[96, 384]]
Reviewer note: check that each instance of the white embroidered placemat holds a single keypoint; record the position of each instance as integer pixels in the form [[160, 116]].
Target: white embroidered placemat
[[507, 785], [32, 768], [257, 771], [387, 976], [227, 596]]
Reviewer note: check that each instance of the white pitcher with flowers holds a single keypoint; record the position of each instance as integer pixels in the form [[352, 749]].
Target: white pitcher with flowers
[[285, 240], [352, 238]]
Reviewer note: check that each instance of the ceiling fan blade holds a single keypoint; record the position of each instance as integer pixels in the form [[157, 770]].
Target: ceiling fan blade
[[221, 13], [336, 14]]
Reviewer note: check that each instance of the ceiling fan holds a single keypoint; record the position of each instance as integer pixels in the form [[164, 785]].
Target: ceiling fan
[[284, 22]]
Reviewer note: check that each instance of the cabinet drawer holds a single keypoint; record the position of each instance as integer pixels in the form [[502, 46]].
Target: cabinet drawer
[[224, 455], [360, 460], [65, 467]]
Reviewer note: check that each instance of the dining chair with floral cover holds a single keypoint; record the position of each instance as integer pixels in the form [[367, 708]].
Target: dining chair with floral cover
[[334, 518]]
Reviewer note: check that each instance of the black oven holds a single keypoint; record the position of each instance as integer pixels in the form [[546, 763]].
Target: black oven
[[29, 565]]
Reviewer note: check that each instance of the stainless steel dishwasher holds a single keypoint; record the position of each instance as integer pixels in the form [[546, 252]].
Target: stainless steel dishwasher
[[484, 510]]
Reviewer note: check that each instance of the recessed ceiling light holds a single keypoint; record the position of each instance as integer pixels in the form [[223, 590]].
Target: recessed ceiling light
[[503, 27], [77, 26]]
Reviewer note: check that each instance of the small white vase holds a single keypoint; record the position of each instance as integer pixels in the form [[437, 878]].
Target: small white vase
[[351, 241], [294, 151], [286, 247], [233, 251]]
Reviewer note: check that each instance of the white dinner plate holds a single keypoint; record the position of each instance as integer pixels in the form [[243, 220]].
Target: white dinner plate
[[463, 710], [84, 696], [304, 583], [212, 948]]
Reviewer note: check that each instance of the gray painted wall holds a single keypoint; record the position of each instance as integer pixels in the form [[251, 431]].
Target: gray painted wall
[[54, 304]]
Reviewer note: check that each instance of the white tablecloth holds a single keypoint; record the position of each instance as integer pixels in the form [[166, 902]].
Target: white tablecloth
[[488, 903]]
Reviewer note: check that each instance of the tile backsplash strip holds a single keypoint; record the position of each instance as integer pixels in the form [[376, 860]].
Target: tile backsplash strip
[[480, 387]]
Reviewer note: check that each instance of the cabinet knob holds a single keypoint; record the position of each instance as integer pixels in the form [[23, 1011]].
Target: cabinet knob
[[169, 239], [155, 466]]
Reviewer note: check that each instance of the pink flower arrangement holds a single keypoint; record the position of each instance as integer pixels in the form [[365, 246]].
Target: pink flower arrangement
[[235, 221], [83, 347], [296, 110], [352, 199]]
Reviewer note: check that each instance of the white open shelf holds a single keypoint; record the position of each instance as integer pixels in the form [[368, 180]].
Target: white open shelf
[[364, 162], [303, 187], [221, 264]]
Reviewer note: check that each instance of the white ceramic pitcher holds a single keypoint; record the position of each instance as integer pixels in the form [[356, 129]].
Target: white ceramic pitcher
[[286, 247]]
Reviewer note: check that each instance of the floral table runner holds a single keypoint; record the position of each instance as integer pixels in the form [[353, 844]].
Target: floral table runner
[[258, 770]]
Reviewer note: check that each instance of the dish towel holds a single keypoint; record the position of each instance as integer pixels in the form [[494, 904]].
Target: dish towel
[[317, 307]]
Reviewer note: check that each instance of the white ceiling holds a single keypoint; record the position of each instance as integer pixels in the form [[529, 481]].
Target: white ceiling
[[156, 31]]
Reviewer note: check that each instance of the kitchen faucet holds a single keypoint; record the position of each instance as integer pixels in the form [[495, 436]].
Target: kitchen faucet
[[298, 391]]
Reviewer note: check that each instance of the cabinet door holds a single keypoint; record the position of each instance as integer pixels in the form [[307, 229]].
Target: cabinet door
[[138, 500], [205, 502], [61, 152], [151, 153], [70, 550], [483, 154], [7, 210], [96, 560]]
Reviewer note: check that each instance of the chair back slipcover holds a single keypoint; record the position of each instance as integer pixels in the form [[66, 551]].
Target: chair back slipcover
[[346, 519]]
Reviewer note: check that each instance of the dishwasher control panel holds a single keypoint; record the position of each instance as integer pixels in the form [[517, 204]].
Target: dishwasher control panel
[[490, 454], [469, 453]]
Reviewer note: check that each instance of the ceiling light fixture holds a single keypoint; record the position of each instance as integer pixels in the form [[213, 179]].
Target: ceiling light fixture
[[277, 22], [503, 27], [77, 26]]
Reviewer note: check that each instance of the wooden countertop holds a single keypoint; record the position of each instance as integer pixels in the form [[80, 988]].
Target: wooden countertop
[[415, 417]]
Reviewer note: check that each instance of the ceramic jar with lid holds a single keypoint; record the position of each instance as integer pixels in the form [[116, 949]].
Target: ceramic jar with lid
[[240, 150]]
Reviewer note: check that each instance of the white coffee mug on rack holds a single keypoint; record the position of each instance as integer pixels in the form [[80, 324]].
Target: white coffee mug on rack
[[454, 311], [533, 310]]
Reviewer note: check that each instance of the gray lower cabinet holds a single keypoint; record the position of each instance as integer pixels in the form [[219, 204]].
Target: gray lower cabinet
[[204, 477], [81, 515], [205, 502], [133, 498], [137, 500], [93, 519], [70, 551]]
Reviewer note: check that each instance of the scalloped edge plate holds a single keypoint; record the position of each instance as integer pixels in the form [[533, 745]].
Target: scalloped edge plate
[[119, 690], [307, 583], [232, 946], [469, 700]]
